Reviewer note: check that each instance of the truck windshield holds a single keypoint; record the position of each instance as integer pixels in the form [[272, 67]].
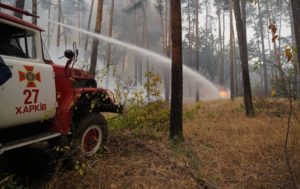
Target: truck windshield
[[17, 42]]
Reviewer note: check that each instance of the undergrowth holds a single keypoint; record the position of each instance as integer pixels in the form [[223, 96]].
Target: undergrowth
[[10, 182], [149, 119], [145, 112]]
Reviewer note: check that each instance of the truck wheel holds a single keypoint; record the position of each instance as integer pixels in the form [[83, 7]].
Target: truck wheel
[[91, 134]]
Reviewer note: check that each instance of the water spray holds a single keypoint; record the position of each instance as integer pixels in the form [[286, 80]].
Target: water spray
[[198, 78]]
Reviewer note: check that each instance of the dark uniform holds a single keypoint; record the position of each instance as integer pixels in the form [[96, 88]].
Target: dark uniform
[[5, 72]]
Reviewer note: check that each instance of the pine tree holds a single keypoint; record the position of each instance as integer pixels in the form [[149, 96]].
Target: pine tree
[[240, 26], [231, 55], [108, 53], [89, 24], [19, 4], [197, 53], [95, 45], [296, 18], [261, 25], [176, 91]]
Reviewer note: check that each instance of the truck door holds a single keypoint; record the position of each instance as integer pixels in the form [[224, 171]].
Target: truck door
[[29, 96]]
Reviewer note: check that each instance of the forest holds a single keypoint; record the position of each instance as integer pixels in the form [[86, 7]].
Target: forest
[[204, 94]]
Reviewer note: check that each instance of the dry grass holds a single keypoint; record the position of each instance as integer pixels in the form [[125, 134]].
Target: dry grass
[[131, 162], [240, 152], [222, 147]]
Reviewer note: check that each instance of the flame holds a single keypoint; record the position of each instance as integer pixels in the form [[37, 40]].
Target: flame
[[224, 94]]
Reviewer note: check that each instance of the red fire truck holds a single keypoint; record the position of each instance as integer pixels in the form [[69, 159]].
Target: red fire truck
[[44, 101]]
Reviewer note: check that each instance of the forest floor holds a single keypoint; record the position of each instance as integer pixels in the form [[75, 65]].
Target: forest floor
[[222, 149]]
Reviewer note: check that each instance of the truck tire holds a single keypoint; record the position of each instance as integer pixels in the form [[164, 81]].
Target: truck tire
[[91, 134]]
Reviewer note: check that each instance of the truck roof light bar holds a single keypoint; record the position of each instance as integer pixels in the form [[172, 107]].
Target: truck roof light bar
[[15, 9]]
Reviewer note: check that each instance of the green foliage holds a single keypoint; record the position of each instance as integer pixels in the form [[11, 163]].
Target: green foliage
[[191, 113], [135, 6], [259, 104], [100, 75], [280, 87], [83, 65], [80, 168], [241, 108], [126, 92], [141, 116], [159, 7], [256, 66], [123, 91], [207, 146], [211, 115], [137, 97], [151, 118], [9, 182], [61, 149], [151, 86], [187, 154], [64, 152]]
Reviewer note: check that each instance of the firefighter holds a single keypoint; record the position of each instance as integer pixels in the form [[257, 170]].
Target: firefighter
[[7, 48], [5, 72]]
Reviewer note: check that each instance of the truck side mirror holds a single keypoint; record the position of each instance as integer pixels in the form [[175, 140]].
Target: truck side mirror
[[69, 54]]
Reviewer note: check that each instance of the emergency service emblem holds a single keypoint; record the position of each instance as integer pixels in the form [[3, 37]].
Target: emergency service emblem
[[31, 93], [29, 76]]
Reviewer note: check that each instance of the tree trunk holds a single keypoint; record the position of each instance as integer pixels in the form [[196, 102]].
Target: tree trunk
[[244, 59], [276, 55], [243, 15], [170, 30], [270, 16], [261, 24], [197, 48], [231, 57], [58, 26], [292, 22], [259, 51], [176, 91], [108, 53], [296, 18], [279, 29], [89, 25], [140, 66], [147, 46], [78, 20], [20, 4], [163, 26], [223, 53], [166, 22], [162, 30], [64, 29], [189, 33], [34, 21], [220, 47], [124, 61], [206, 37], [49, 24], [236, 71], [34, 11], [167, 51], [94, 54], [296, 75], [136, 56]]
